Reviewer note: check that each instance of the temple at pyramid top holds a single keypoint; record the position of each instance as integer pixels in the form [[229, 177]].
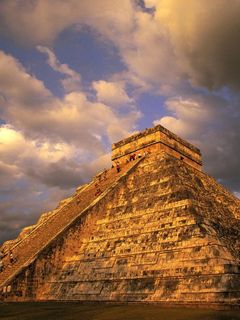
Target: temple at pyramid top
[[155, 140]]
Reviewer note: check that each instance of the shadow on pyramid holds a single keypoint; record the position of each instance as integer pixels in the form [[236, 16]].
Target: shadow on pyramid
[[153, 228]]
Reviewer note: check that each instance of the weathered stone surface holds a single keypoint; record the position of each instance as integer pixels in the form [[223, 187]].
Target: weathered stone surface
[[161, 231]]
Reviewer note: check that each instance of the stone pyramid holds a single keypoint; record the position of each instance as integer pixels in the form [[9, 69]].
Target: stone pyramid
[[160, 230]]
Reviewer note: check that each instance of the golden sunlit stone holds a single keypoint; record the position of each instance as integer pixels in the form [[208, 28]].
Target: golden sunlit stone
[[160, 230]]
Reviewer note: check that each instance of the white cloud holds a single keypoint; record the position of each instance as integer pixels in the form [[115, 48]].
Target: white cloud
[[190, 115], [35, 176], [72, 80], [143, 46], [30, 107], [17, 85], [42, 21], [180, 40], [111, 93]]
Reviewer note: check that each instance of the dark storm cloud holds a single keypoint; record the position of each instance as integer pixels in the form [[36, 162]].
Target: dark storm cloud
[[63, 173], [22, 205], [222, 152], [205, 35]]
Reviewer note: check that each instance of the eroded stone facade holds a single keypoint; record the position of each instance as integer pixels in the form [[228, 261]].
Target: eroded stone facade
[[161, 231]]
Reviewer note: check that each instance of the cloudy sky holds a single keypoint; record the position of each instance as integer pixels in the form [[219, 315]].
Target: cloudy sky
[[76, 76]]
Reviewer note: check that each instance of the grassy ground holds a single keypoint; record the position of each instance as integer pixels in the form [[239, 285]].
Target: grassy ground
[[75, 311]]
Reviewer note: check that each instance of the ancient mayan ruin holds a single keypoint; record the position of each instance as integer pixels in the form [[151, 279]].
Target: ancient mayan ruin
[[160, 230]]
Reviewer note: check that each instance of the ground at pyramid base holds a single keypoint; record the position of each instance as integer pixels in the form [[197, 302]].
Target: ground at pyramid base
[[159, 230]]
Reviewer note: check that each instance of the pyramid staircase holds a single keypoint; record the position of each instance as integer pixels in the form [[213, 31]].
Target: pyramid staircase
[[26, 250]]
